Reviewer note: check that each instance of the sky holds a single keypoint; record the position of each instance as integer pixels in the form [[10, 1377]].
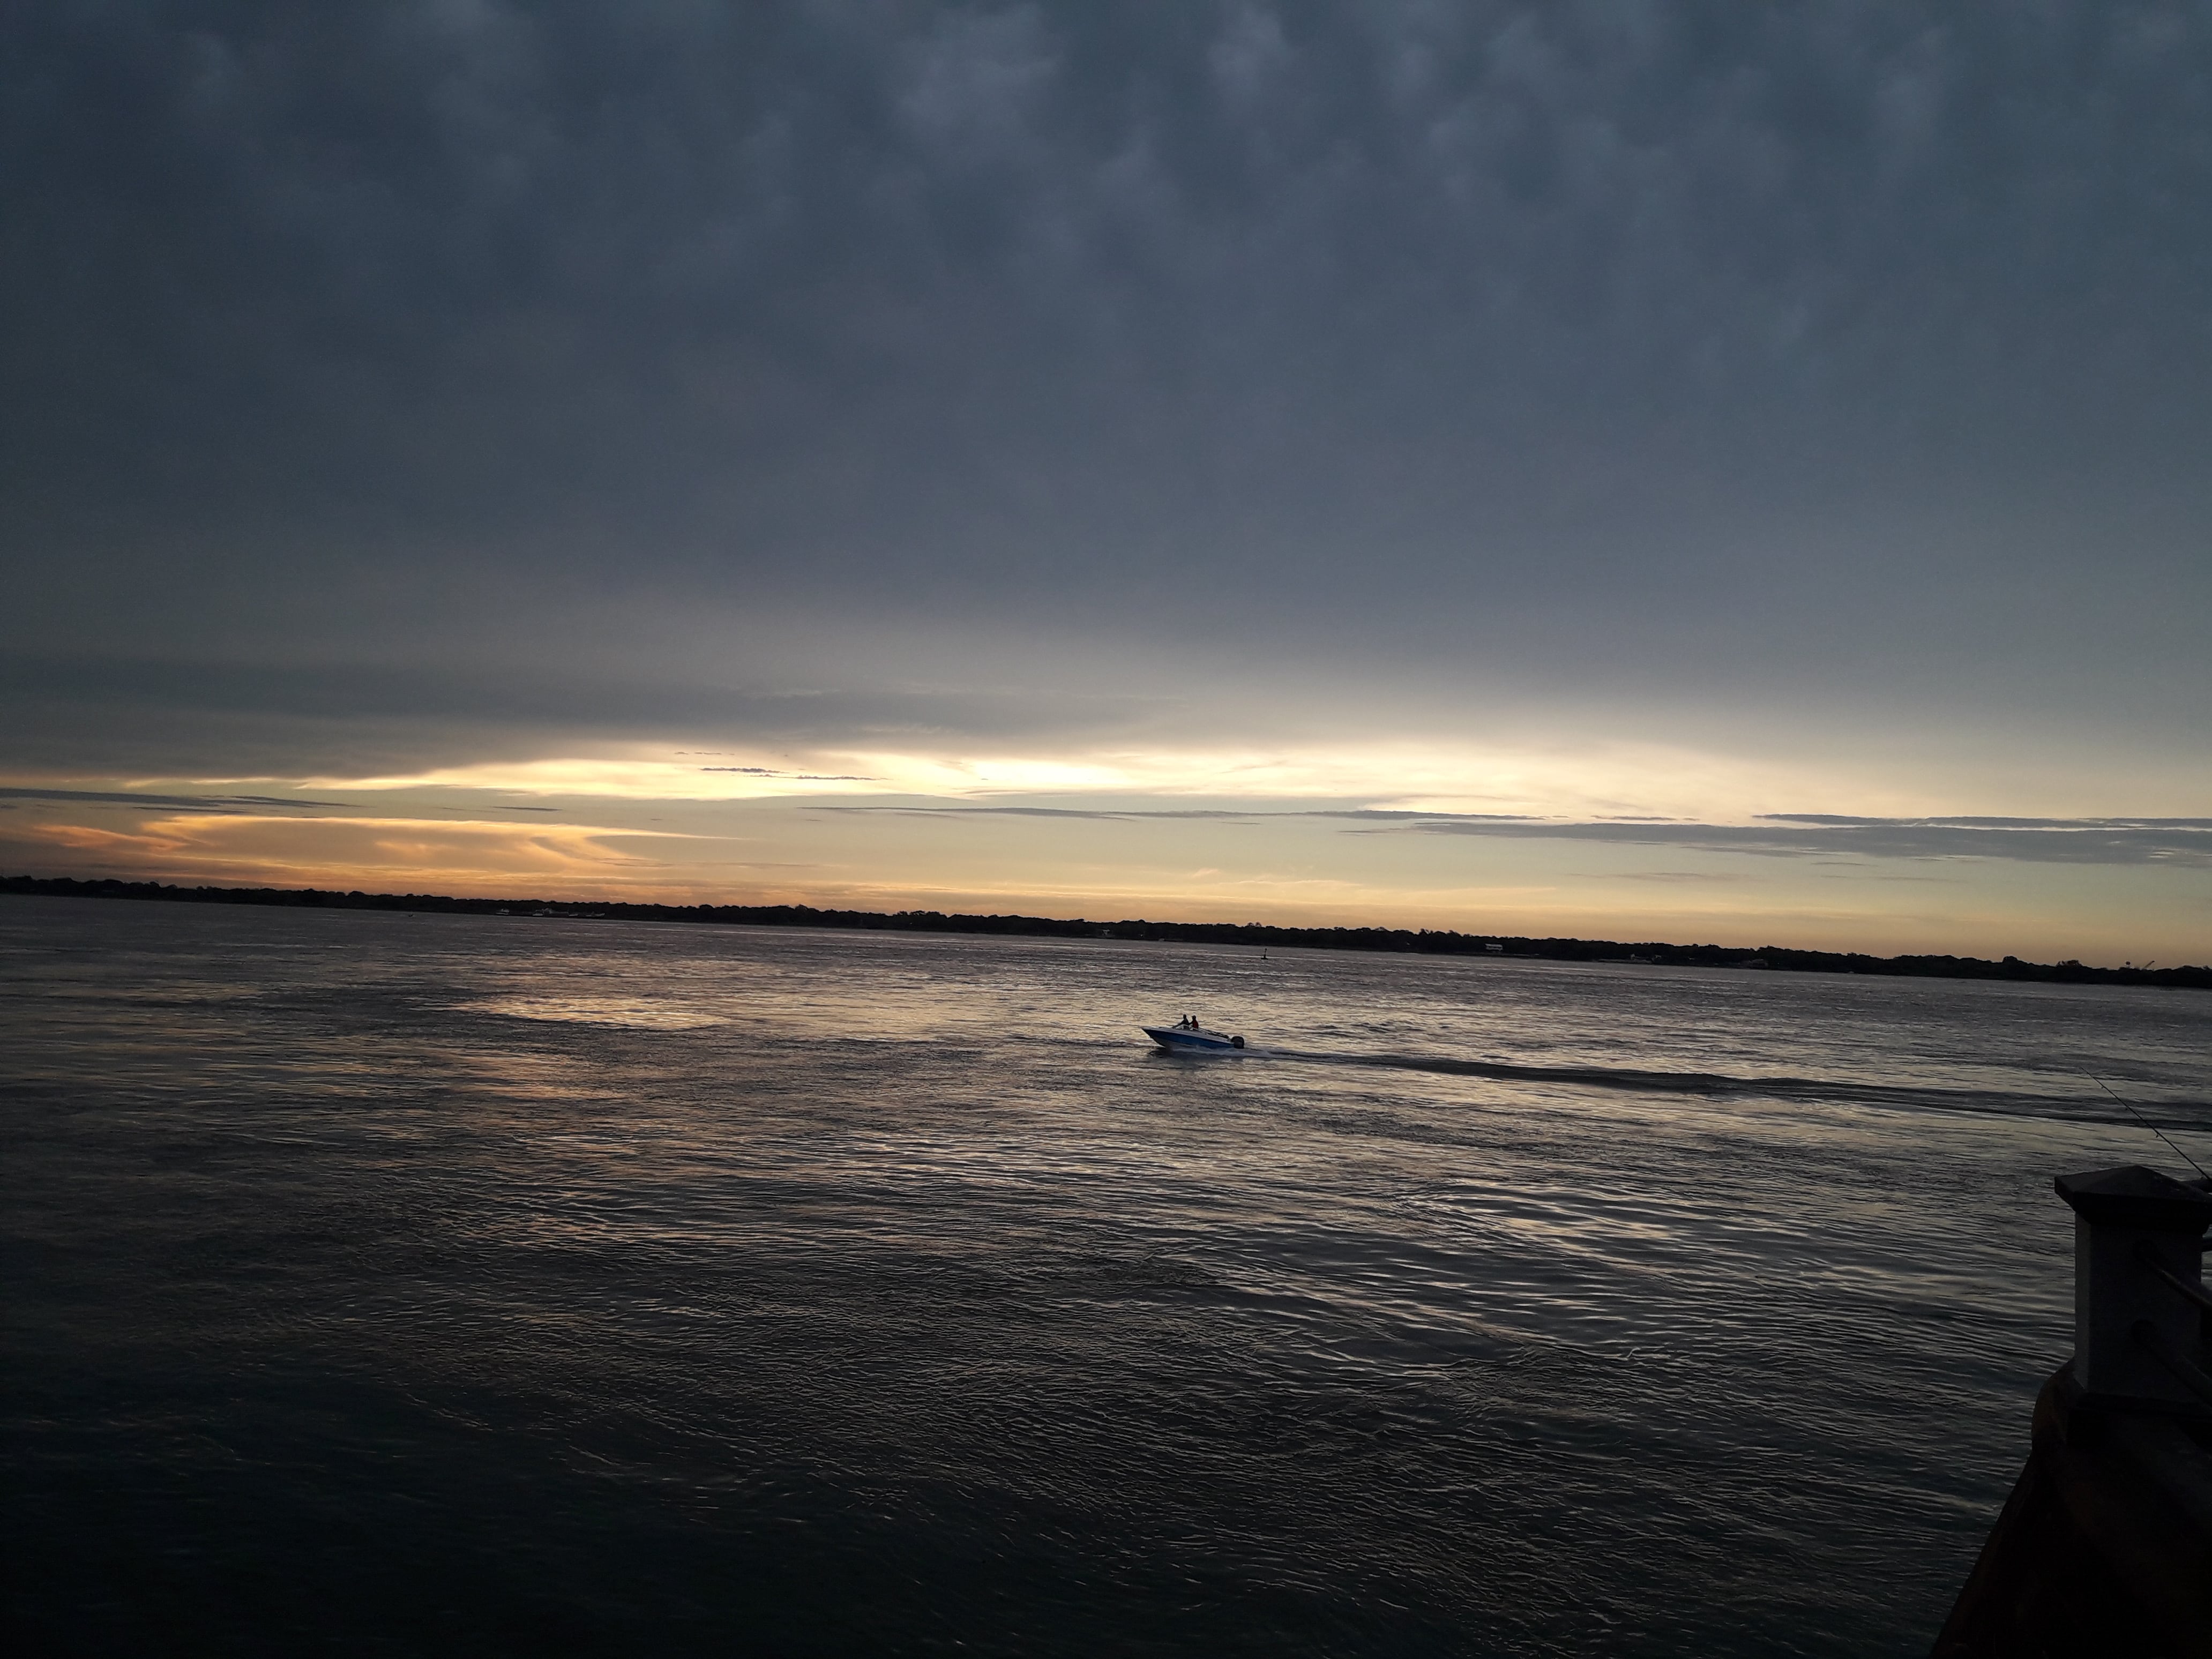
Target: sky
[[1689, 471]]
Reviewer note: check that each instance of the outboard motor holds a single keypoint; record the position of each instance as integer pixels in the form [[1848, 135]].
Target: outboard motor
[[1236, 1043]]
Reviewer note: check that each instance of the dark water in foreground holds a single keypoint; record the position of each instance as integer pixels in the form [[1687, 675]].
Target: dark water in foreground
[[386, 1284]]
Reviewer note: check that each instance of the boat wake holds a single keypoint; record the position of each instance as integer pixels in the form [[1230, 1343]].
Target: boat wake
[[2186, 1115]]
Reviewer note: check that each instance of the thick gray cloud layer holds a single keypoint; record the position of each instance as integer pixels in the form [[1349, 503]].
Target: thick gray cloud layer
[[1855, 341]]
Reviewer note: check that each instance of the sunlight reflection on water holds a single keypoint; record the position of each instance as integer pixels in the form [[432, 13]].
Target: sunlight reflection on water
[[581, 1009]]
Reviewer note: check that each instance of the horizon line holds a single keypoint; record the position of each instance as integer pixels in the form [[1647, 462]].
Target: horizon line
[[1786, 958]]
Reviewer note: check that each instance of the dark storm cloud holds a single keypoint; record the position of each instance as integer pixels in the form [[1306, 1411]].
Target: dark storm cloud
[[1836, 321], [482, 250]]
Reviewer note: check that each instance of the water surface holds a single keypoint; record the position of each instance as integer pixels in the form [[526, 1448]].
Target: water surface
[[383, 1283]]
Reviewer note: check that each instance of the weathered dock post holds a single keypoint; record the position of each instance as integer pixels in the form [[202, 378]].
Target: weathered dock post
[[2105, 1546]]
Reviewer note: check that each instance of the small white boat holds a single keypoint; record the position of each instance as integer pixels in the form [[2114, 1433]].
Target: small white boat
[[1189, 1037]]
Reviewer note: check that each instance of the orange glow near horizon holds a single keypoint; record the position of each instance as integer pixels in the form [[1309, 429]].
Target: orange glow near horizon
[[1181, 835], [1264, 873], [463, 857]]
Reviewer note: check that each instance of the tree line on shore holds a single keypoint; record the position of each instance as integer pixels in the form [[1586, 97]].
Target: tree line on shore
[[1420, 942]]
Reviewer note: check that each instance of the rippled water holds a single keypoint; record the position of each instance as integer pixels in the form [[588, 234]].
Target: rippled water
[[384, 1283]]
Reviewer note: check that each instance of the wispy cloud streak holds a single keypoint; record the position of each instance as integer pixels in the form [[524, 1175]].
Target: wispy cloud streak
[[2171, 840], [2180, 842], [214, 804]]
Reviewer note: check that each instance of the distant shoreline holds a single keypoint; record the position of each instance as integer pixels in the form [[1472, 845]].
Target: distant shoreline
[[1397, 940]]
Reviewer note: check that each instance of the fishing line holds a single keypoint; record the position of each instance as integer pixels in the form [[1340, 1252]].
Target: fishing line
[[2148, 1124]]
